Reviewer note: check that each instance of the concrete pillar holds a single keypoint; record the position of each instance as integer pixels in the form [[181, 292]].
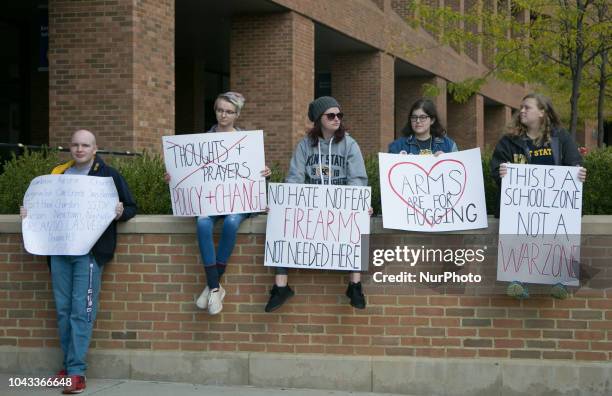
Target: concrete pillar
[[363, 83], [495, 120], [111, 70], [410, 89], [466, 122], [272, 65]]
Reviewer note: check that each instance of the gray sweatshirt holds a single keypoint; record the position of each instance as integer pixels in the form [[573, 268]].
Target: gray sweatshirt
[[336, 163]]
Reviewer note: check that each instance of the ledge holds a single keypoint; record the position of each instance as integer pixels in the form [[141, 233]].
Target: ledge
[[167, 224], [400, 375]]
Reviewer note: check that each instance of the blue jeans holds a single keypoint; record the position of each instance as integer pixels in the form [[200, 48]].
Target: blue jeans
[[231, 223], [76, 286]]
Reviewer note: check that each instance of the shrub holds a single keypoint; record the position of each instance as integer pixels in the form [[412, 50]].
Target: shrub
[[597, 193], [490, 187], [145, 176], [278, 173], [18, 172]]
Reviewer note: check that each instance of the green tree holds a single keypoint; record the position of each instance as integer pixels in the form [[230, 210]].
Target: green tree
[[549, 44]]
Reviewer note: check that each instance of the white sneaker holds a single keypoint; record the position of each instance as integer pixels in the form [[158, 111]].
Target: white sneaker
[[202, 301], [214, 301]]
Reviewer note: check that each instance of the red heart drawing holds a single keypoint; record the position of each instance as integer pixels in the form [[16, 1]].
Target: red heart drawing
[[427, 173]]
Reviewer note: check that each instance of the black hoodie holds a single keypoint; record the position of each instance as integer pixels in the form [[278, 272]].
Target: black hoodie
[[514, 149]]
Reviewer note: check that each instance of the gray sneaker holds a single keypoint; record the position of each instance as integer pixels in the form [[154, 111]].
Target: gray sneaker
[[215, 299], [202, 301]]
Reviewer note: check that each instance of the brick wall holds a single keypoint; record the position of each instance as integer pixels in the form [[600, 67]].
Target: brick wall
[[390, 33], [473, 49], [402, 8], [111, 70], [466, 122], [148, 292], [495, 120], [153, 79], [368, 103], [272, 65], [410, 89]]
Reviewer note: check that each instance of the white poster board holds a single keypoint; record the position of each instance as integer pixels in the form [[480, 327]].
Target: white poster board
[[315, 226], [67, 214], [216, 173], [431, 194], [540, 225]]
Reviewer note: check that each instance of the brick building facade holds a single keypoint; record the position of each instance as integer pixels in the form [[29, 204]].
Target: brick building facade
[[135, 71]]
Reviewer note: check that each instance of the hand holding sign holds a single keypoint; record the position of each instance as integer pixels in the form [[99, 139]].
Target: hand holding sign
[[318, 226], [540, 224], [215, 173], [433, 193], [66, 214]]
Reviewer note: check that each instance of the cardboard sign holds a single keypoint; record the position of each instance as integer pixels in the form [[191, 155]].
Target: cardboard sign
[[216, 173], [315, 226], [540, 225], [67, 214], [430, 194]]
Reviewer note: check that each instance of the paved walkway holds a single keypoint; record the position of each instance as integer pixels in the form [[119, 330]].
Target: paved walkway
[[111, 387]]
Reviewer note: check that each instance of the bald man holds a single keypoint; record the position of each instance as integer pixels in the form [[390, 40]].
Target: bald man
[[76, 279]]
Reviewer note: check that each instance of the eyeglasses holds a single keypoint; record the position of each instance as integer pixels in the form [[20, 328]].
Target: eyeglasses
[[420, 118], [332, 116], [226, 112]]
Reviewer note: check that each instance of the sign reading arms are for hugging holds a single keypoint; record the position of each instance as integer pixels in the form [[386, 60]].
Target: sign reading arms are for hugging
[[430, 194]]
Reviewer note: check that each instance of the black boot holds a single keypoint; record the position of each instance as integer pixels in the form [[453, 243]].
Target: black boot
[[278, 296], [354, 293]]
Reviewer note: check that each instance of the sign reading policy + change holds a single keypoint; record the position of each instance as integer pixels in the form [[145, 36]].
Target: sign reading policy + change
[[314, 226], [67, 214], [430, 194], [540, 225], [216, 173]]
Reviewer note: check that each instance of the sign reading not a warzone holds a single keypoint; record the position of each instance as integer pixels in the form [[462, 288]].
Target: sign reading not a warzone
[[216, 173], [431, 194], [67, 214], [314, 226], [540, 225]]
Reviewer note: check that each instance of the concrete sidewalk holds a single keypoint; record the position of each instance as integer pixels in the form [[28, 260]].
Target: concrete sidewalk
[[114, 387]]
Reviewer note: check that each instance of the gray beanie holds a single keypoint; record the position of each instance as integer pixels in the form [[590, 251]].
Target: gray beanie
[[318, 106]]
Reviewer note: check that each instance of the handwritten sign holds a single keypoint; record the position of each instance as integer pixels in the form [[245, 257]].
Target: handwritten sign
[[216, 173], [540, 225], [318, 226], [67, 214], [430, 194]]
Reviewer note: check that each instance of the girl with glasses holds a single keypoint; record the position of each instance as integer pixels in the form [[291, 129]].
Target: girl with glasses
[[535, 136], [328, 155], [227, 111], [424, 133]]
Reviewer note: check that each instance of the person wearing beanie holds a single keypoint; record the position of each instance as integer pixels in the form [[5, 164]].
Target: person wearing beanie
[[327, 155], [227, 110]]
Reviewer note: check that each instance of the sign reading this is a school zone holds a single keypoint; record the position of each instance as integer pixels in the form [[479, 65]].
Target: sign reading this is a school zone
[[216, 173]]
